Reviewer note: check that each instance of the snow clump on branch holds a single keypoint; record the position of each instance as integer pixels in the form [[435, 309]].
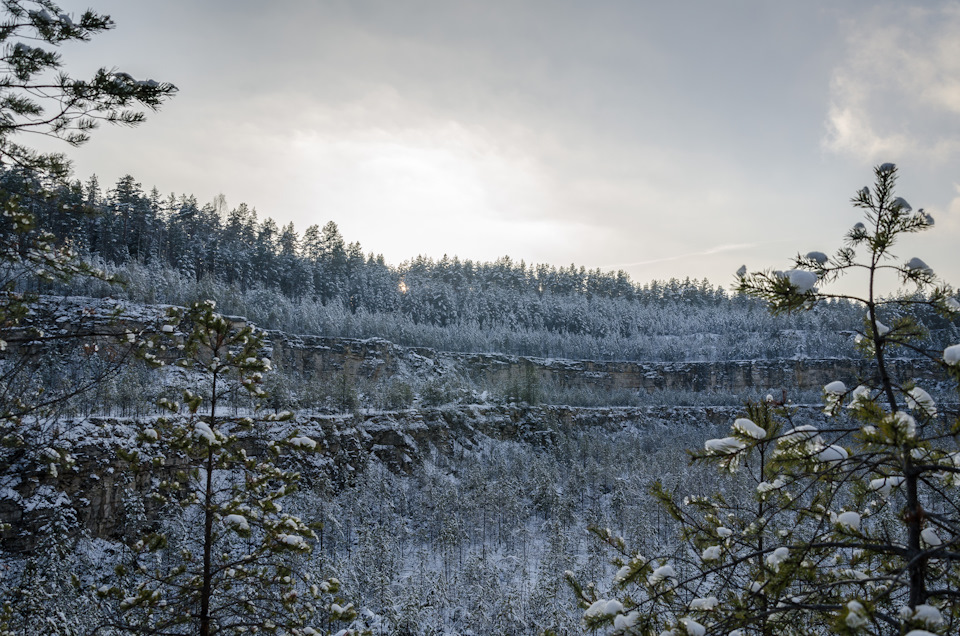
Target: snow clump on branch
[[901, 204], [303, 442], [747, 427], [903, 423], [237, 521], [604, 607], [859, 396], [856, 615], [704, 604], [884, 485], [951, 355], [723, 446], [916, 264], [832, 453], [803, 280], [623, 622], [920, 400], [662, 573], [849, 520], [832, 394], [925, 613], [692, 627], [778, 556]]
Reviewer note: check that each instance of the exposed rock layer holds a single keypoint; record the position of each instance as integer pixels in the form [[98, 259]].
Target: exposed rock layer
[[376, 359]]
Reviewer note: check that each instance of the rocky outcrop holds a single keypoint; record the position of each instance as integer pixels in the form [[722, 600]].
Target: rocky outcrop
[[97, 491], [375, 359], [94, 492]]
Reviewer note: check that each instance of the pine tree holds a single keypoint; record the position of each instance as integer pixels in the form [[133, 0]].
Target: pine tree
[[66, 108], [36, 96], [854, 522], [237, 568]]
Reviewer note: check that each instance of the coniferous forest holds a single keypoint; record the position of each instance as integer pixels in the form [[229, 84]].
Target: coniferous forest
[[174, 250]]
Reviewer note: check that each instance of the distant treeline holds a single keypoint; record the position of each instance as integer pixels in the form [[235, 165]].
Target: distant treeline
[[172, 249]]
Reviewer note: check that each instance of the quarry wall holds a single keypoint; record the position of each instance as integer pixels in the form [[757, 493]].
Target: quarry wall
[[375, 359]]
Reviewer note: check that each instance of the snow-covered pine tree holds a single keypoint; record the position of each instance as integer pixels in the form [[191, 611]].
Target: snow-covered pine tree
[[36, 96], [236, 568], [854, 524]]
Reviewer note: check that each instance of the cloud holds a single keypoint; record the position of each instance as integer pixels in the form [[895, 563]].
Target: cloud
[[717, 249], [954, 207], [896, 94]]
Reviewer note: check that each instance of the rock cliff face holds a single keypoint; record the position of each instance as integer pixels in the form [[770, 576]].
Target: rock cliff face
[[96, 491], [376, 359]]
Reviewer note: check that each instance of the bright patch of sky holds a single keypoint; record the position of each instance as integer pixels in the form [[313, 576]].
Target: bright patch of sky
[[666, 139]]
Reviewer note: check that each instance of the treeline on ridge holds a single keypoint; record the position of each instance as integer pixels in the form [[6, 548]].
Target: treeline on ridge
[[172, 249]]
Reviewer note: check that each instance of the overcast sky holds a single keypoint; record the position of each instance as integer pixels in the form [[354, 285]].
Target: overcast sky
[[665, 139]]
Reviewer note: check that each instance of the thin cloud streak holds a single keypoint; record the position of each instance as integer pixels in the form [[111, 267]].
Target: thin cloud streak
[[719, 249]]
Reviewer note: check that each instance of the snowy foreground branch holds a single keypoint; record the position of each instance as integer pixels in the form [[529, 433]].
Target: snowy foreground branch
[[853, 525]]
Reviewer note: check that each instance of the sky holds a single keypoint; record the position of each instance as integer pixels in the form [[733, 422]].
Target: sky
[[665, 139]]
